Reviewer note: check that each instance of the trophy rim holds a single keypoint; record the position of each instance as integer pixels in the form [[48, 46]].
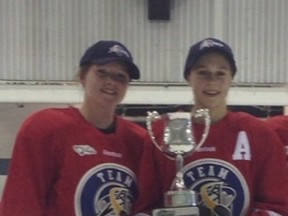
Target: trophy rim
[[154, 115]]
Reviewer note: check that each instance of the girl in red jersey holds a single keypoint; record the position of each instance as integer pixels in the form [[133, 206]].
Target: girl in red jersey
[[241, 169], [85, 161]]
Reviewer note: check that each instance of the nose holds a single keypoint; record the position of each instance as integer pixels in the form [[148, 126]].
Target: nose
[[110, 79], [211, 77]]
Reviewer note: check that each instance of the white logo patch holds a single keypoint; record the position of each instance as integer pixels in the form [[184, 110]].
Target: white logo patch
[[84, 150], [209, 43], [117, 49]]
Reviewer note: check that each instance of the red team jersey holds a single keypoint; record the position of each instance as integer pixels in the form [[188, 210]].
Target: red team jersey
[[240, 168], [62, 165], [280, 125]]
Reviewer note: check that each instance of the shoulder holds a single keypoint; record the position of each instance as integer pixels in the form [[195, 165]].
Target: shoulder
[[131, 127], [241, 116], [253, 126], [245, 120], [258, 130], [49, 114], [278, 121], [49, 118], [279, 124]]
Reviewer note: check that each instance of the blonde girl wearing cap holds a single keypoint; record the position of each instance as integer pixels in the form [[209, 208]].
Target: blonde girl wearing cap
[[70, 161]]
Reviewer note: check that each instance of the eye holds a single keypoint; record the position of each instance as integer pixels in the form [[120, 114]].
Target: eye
[[203, 73], [221, 73], [121, 78], [102, 73]]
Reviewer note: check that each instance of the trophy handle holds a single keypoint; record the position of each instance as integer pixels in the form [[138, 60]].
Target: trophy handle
[[207, 121], [151, 117]]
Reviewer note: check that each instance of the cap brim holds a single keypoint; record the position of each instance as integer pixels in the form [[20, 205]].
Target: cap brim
[[133, 70], [227, 55]]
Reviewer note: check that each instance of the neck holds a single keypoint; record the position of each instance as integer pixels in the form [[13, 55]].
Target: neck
[[100, 117]]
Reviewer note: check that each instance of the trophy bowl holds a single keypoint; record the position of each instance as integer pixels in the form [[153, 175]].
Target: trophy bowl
[[177, 142]]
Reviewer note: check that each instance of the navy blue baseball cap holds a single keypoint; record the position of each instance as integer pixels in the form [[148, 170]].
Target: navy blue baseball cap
[[106, 51], [205, 46]]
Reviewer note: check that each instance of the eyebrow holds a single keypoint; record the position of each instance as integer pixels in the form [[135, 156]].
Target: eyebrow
[[118, 72], [199, 66]]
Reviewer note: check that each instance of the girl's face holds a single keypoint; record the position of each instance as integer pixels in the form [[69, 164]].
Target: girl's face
[[106, 84], [210, 79]]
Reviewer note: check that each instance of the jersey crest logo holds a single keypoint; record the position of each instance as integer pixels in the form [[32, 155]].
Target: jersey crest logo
[[221, 187], [107, 189], [84, 150]]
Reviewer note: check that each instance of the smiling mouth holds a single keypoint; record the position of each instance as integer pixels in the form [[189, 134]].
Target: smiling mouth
[[107, 91], [211, 92]]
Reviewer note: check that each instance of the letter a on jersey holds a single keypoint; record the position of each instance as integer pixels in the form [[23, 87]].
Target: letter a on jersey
[[242, 148]]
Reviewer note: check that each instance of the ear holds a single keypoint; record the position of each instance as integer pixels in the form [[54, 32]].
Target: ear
[[82, 81], [189, 82]]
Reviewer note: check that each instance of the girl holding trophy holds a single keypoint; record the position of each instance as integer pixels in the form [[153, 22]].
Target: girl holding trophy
[[241, 168]]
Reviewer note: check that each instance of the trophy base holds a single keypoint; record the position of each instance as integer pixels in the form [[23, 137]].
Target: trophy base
[[177, 211], [180, 198], [179, 203]]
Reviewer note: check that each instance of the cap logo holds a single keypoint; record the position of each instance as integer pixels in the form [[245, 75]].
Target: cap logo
[[118, 50], [209, 43]]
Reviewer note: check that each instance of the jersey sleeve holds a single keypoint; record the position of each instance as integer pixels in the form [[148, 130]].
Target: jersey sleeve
[[270, 177], [31, 171], [148, 182]]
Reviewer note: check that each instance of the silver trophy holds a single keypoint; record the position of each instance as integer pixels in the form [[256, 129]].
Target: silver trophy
[[178, 142]]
